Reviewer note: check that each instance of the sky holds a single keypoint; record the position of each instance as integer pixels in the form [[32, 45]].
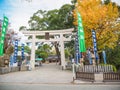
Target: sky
[[20, 11], [117, 1]]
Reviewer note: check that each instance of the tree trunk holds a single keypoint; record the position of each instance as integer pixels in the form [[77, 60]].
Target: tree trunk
[[57, 51]]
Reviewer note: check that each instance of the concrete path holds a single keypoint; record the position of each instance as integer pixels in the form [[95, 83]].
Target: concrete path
[[47, 73]]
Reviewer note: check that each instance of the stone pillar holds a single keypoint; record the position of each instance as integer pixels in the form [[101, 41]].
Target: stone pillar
[[32, 58], [62, 52], [99, 77]]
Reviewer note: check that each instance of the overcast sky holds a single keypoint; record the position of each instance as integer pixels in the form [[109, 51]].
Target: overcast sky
[[20, 11], [117, 1]]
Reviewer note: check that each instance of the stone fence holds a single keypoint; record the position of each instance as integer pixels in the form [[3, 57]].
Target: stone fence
[[4, 70], [95, 69]]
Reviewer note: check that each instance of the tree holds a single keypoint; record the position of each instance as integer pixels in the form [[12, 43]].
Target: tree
[[53, 19], [22, 28], [107, 1], [65, 16], [73, 1], [26, 49], [70, 47], [43, 51], [113, 56], [100, 17], [38, 21]]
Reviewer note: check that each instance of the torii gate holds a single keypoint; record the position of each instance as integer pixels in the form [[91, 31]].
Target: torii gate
[[61, 39]]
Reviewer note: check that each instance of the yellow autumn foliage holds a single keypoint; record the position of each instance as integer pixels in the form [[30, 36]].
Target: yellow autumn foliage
[[100, 17]]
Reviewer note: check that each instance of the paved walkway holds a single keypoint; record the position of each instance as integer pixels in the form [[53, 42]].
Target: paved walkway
[[47, 73]]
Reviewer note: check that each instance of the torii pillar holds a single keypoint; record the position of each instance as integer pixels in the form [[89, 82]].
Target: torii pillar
[[62, 52], [32, 58]]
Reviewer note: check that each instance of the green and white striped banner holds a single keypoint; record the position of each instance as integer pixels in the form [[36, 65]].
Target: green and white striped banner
[[81, 34], [3, 33]]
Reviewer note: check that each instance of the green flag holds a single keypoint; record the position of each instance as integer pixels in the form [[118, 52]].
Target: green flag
[[81, 34], [4, 28]]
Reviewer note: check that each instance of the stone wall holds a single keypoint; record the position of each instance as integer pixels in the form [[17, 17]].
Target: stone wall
[[5, 70], [4, 61]]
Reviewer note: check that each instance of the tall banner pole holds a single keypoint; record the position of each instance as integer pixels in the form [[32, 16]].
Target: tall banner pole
[[80, 43], [3, 34], [81, 34], [77, 51], [104, 57], [22, 52], [15, 51], [95, 45]]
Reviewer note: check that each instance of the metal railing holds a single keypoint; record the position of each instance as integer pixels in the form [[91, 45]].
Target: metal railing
[[85, 76], [111, 77]]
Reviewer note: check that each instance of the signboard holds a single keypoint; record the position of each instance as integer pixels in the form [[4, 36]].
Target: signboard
[[39, 59]]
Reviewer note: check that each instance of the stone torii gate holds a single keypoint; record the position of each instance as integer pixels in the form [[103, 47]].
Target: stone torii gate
[[61, 40]]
